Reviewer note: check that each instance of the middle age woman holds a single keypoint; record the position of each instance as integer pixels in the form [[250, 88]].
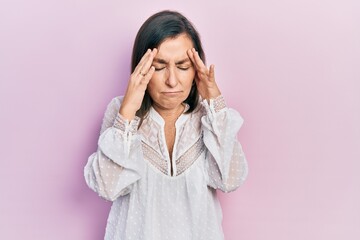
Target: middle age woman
[[169, 142]]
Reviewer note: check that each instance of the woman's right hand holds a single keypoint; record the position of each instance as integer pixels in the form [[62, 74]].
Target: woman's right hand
[[137, 85]]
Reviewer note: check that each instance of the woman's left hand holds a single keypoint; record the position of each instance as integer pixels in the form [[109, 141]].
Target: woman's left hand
[[205, 78]]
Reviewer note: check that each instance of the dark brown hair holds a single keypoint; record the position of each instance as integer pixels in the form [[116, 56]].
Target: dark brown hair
[[157, 28]]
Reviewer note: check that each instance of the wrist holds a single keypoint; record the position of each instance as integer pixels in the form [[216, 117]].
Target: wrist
[[126, 113], [212, 94], [125, 126], [219, 103]]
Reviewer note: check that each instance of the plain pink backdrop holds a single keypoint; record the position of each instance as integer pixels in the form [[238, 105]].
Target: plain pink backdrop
[[291, 68]]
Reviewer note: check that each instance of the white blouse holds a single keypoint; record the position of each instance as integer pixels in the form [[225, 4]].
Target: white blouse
[[132, 168]]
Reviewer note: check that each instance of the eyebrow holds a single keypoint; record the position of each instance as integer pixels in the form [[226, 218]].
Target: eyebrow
[[162, 61]]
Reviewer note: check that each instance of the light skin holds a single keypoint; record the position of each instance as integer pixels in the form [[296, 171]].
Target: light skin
[[168, 74]]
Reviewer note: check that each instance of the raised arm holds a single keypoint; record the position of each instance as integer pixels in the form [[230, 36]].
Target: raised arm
[[226, 163], [117, 164]]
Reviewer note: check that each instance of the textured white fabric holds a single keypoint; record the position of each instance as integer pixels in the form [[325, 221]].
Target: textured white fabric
[[132, 168]]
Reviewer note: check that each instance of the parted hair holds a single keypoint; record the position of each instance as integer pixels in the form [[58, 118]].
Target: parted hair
[[155, 30]]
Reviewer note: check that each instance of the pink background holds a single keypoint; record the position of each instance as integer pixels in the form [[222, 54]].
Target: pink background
[[291, 68]]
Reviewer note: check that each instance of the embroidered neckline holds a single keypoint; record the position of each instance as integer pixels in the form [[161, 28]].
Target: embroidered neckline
[[183, 163]]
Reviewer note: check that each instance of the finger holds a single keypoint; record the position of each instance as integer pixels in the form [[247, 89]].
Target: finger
[[145, 80], [191, 56], [198, 62], [142, 60], [147, 64], [140, 64], [212, 72], [149, 75]]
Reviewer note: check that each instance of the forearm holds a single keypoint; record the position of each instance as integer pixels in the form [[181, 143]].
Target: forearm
[[226, 163], [117, 164], [102, 175]]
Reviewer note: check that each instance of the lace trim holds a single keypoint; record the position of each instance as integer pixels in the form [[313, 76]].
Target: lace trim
[[219, 103], [126, 126], [189, 157], [182, 163], [154, 158]]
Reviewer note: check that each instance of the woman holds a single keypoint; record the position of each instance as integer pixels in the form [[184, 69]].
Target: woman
[[169, 143]]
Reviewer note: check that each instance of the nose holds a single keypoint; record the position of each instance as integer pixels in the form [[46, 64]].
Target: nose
[[171, 78]]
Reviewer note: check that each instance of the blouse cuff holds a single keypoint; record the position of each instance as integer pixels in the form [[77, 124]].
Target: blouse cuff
[[214, 106], [218, 103], [126, 126]]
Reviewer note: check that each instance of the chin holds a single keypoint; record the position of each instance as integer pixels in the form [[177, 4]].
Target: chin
[[169, 103]]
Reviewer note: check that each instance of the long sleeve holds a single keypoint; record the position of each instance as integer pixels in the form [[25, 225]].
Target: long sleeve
[[226, 164], [118, 162]]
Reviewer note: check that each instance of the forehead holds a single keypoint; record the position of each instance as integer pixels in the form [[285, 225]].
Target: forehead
[[175, 48]]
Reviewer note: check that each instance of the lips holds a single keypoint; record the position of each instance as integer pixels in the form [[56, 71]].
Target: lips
[[171, 92]]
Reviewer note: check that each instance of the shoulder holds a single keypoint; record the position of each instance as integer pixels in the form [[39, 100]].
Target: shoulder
[[199, 111], [113, 106], [117, 100], [115, 103], [111, 112], [195, 116]]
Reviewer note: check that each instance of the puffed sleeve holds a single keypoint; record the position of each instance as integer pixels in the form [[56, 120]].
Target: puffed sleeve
[[226, 165], [118, 162]]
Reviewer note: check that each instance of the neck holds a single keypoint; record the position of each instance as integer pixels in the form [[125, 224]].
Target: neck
[[170, 114]]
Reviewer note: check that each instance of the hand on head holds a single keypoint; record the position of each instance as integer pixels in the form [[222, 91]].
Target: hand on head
[[142, 74], [205, 78], [137, 85]]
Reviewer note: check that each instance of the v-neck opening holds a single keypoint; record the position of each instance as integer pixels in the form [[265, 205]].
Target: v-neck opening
[[178, 123]]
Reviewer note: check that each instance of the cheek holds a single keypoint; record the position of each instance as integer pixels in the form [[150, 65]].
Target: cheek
[[157, 78], [157, 75], [152, 86], [188, 77]]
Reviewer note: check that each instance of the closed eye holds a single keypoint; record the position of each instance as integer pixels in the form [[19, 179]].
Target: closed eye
[[159, 68], [184, 68]]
